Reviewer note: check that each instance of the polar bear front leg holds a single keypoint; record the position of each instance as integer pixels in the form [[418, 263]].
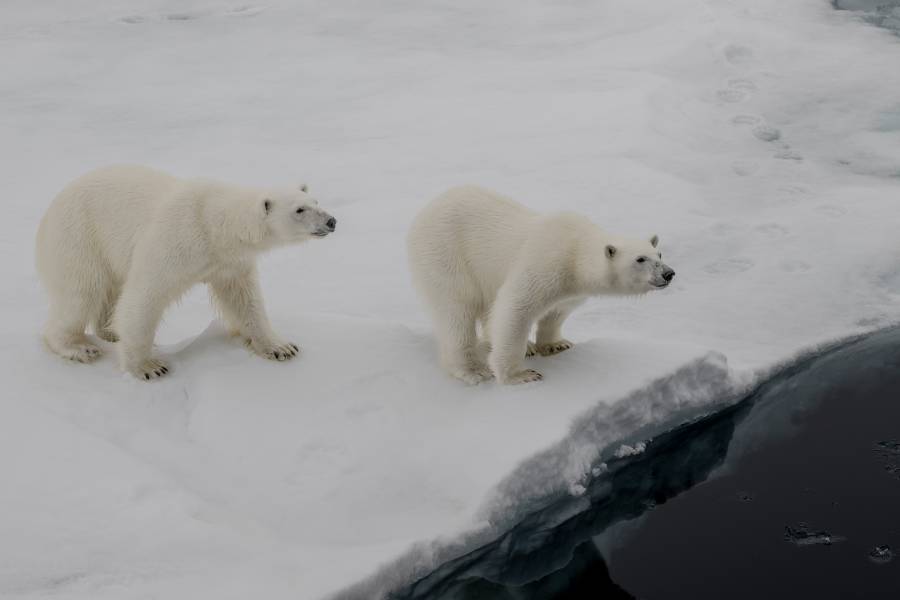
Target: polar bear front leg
[[511, 321], [136, 318], [239, 300], [159, 274]]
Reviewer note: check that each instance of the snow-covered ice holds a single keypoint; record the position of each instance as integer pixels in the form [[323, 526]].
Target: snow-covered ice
[[758, 138]]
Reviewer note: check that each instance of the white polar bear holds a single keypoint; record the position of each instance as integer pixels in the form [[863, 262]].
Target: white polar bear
[[119, 244], [480, 258]]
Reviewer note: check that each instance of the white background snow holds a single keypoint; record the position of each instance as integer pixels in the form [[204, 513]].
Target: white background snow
[[759, 138]]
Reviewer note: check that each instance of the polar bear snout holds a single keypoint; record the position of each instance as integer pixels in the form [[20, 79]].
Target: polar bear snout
[[326, 226], [666, 275], [312, 221]]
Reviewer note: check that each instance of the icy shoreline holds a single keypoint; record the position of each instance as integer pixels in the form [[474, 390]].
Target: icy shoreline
[[703, 404], [698, 388]]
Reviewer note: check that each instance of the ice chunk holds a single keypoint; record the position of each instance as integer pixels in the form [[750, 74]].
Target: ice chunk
[[626, 450], [802, 536], [576, 489], [881, 555]]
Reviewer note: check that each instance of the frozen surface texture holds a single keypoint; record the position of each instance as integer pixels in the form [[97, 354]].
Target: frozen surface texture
[[759, 138]]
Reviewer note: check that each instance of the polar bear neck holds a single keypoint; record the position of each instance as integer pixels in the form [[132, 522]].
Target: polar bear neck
[[236, 221], [594, 271]]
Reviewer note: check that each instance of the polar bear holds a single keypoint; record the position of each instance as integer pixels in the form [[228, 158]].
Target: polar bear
[[121, 243], [479, 258]]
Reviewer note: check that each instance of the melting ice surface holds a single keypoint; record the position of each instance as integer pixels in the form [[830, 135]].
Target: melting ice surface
[[758, 138]]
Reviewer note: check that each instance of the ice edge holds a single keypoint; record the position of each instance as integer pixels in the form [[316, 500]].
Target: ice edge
[[695, 389]]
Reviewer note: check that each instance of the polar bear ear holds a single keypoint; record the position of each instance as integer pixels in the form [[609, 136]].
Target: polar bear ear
[[303, 187], [610, 251], [654, 241]]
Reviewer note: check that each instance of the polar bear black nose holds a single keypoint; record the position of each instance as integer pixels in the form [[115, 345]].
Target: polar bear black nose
[[668, 274], [331, 223]]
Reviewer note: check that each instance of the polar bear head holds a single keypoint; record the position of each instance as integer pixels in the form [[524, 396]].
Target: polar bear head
[[637, 266], [294, 216]]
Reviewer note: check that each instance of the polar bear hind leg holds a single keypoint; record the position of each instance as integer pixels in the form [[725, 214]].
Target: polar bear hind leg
[[549, 339], [460, 356], [70, 312], [103, 322], [455, 317]]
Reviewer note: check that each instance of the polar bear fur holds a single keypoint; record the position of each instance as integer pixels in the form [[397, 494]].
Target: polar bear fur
[[478, 258], [119, 244]]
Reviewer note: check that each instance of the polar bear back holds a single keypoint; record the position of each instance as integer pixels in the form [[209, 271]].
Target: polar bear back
[[103, 214], [472, 231]]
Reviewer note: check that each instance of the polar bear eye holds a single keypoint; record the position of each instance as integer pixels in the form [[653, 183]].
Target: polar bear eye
[[300, 210], [641, 259]]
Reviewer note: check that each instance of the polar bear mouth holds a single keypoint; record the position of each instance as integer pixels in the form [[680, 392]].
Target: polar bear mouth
[[321, 233], [664, 284]]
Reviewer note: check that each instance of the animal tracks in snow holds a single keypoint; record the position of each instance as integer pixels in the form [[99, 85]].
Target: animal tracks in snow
[[758, 127], [766, 133], [734, 266], [788, 154], [745, 167], [795, 266], [239, 11], [132, 19], [773, 230], [244, 11], [831, 210], [729, 266], [737, 54], [793, 190], [746, 120], [736, 90]]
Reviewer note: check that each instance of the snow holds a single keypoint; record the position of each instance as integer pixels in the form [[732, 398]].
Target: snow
[[758, 138], [626, 450]]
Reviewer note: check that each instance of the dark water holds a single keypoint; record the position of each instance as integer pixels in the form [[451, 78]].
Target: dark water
[[794, 492]]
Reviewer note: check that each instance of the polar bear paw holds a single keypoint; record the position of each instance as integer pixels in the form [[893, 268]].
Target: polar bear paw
[[83, 352], [280, 351], [531, 349], [554, 347], [150, 369], [526, 376], [473, 374]]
